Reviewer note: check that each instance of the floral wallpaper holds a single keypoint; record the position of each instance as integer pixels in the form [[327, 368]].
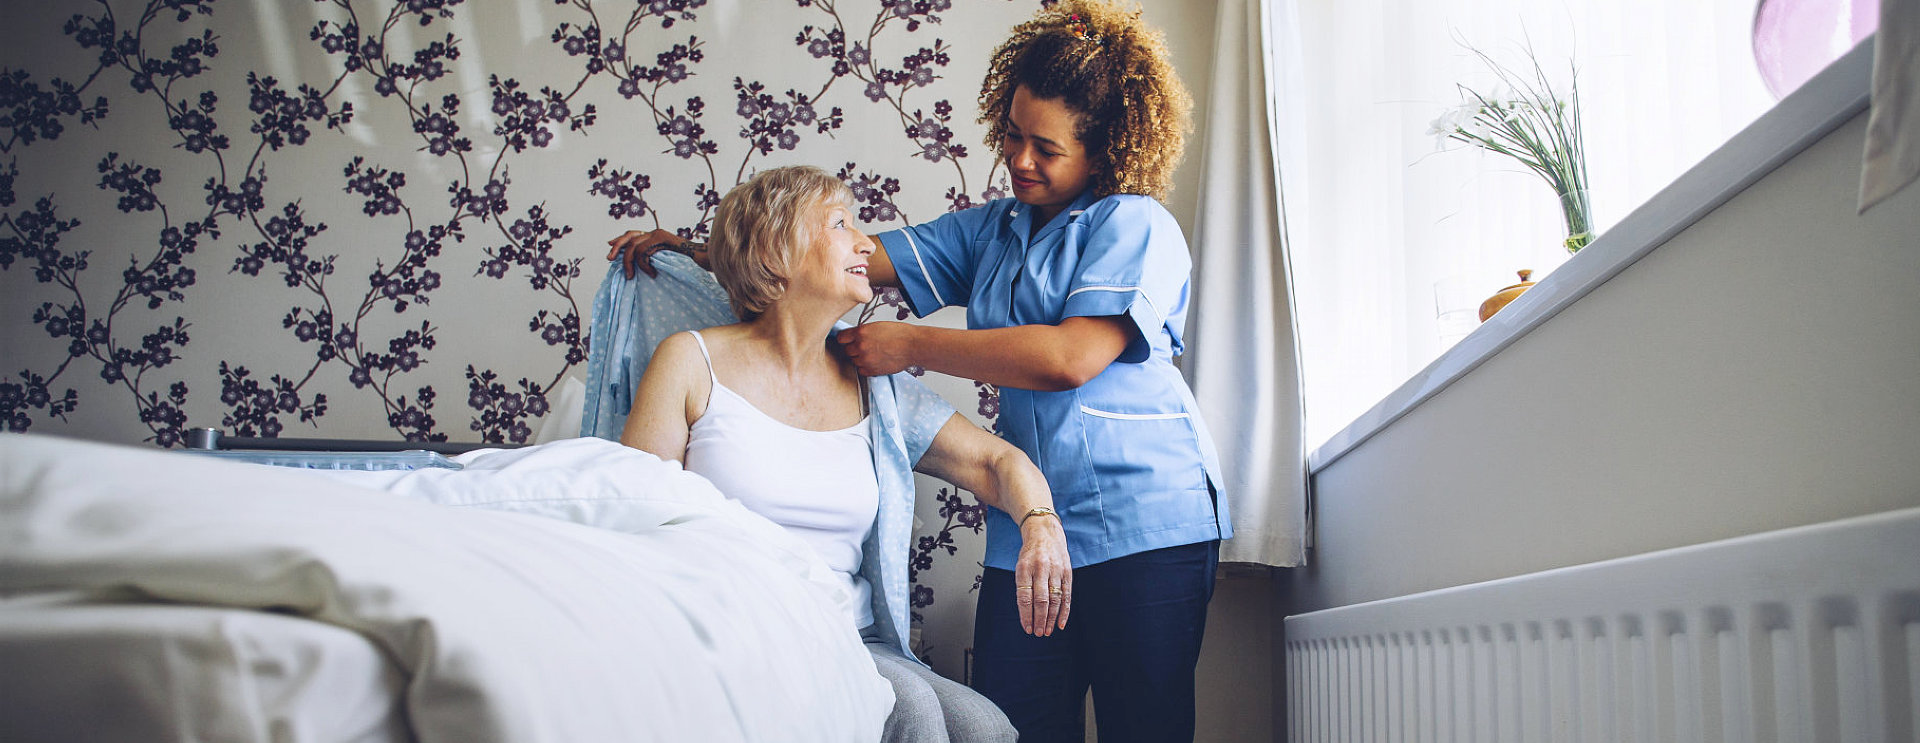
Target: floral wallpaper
[[384, 218]]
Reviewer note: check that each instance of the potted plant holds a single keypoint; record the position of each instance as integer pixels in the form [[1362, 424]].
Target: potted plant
[[1528, 120]]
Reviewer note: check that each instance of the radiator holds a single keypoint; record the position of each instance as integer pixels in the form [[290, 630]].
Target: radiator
[[1810, 634]]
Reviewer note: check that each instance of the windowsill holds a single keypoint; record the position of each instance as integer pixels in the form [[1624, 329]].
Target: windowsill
[[1825, 102]]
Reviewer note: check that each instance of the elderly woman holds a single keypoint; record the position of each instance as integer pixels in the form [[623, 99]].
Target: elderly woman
[[790, 429]]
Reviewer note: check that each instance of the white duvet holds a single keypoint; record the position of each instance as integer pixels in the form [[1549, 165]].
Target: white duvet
[[575, 591]]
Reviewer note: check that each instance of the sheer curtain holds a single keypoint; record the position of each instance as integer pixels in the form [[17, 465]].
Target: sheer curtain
[[1242, 357], [1392, 233]]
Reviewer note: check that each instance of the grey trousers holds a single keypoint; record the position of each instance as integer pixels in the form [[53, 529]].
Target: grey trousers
[[930, 708]]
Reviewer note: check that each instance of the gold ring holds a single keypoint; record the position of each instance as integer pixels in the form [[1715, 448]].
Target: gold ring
[[1055, 590], [1024, 588]]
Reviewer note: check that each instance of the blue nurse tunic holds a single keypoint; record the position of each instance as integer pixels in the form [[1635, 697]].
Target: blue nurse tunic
[[1129, 460]]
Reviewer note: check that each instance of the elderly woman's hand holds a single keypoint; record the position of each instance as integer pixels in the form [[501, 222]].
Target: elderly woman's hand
[[1004, 478], [1043, 575]]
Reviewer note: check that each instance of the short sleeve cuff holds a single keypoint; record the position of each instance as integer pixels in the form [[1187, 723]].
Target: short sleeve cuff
[[922, 414], [915, 281], [1124, 301]]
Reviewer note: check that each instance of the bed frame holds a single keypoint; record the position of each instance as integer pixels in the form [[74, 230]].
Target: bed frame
[[213, 439]]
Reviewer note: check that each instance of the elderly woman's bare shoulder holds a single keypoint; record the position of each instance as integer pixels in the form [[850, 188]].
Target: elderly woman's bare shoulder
[[681, 355], [718, 344]]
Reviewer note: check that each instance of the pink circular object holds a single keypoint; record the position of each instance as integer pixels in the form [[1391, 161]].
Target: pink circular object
[[1793, 39]]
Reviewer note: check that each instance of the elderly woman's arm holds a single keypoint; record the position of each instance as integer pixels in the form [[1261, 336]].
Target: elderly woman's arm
[[672, 392], [1004, 478]]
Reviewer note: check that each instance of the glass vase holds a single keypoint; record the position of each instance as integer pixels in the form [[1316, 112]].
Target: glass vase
[[1579, 214]]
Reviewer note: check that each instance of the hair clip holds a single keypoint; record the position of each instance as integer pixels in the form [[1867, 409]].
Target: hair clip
[[1081, 30]]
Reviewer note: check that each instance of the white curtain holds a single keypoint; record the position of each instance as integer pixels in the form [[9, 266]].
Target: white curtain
[[1398, 233], [1243, 359], [1892, 158]]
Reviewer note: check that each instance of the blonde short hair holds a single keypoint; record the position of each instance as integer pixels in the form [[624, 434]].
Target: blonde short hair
[[762, 226]]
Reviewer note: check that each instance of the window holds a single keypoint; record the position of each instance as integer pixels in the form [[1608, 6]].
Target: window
[[1388, 233]]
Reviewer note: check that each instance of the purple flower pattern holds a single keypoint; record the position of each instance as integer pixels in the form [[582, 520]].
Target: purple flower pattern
[[347, 320], [959, 514]]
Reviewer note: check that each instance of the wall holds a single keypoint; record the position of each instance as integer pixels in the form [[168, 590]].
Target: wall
[[1758, 371], [420, 203], [239, 215]]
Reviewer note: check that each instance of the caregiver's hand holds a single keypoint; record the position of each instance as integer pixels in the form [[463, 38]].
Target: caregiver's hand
[[635, 249], [878, 348], [1043, 576]]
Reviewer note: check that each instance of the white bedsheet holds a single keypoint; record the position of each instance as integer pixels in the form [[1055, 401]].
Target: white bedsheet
[[670, 614], [82, 670]]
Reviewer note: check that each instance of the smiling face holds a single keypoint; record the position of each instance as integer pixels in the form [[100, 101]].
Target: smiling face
[[834, 266], [1047, 164]]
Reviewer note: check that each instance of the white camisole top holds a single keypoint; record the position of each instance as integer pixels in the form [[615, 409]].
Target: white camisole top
[[820, 485]]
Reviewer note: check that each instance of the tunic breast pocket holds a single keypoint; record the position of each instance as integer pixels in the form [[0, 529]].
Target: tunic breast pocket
[[1144, 455]]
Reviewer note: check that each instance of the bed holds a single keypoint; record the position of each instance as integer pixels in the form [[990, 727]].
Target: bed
[[573, 591]]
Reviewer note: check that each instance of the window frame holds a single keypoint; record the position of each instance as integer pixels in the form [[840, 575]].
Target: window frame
[[1822, 104]]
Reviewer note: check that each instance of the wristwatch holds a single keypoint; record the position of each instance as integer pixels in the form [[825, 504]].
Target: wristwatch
[[1038, 511]]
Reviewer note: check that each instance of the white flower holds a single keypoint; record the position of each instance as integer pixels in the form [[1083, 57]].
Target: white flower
[[1461, 123], [1480, 125], [1504, 96], [1442, 128]]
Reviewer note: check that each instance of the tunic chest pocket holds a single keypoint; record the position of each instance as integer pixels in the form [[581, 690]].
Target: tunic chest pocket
[[1143, 454]]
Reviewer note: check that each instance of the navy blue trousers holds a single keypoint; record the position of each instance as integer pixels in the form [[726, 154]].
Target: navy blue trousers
[[1133, 638]]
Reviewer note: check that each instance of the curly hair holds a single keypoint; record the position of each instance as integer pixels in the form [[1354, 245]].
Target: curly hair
[[1109, 66]]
